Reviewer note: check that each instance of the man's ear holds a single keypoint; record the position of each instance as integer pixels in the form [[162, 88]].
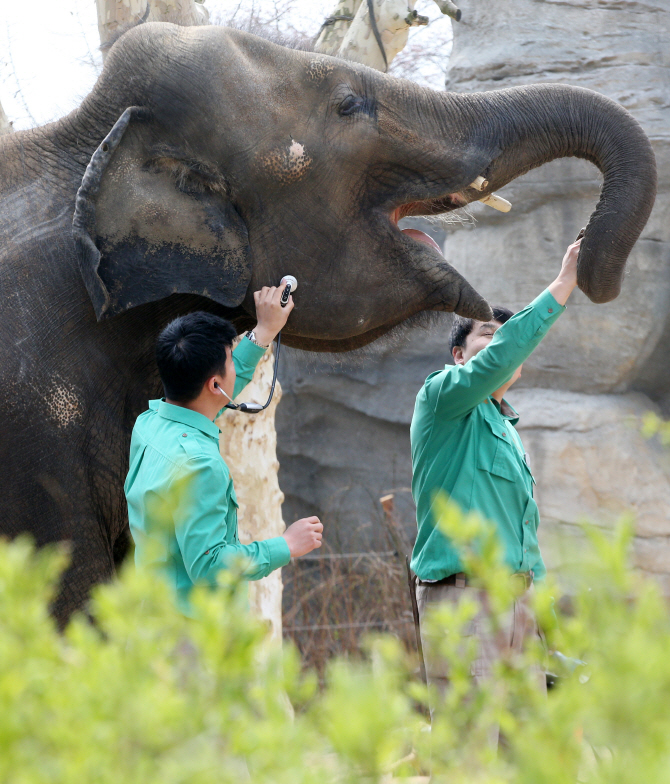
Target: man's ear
[[151, 220], [457, 354]]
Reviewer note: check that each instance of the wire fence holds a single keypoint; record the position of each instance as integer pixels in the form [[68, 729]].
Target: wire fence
[[350, 556], [333, 600]]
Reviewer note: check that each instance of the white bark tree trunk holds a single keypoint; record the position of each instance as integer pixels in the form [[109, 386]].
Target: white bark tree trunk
[[5, 125], [249, 446], [393, 19], [349, 32], [335, 27], [113, 14]]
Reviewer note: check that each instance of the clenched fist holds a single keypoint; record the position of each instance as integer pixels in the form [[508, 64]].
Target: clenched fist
[[304, 536]]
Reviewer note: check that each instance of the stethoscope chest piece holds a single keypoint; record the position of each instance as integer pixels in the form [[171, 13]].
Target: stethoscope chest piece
[[255, 408]]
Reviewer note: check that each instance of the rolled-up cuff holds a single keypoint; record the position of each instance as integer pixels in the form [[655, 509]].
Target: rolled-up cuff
[[278, 552], [546, 306], [247, 352]]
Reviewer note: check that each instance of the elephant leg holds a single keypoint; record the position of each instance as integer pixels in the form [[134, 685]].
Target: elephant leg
[[122, 546], [91, 562]]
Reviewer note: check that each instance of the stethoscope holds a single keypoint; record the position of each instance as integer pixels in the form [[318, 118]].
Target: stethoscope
[[255, 408]]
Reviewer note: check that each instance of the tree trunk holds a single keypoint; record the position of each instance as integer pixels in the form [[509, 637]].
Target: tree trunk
[[349, 31], [393, 18], [116, 14], [5, 125], [248, 444], [335, 27]]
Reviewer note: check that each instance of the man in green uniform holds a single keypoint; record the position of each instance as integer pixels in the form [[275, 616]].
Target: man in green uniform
[[182, 507], [464, 444]]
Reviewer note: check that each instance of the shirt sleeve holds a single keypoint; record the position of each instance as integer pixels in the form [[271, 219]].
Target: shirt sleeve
[[201, 506], [539, 570], [245, 357], [457, 390]]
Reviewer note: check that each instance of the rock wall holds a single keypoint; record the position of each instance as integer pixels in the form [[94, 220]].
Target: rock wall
[[618, 49], [343, 425], [591, 463]]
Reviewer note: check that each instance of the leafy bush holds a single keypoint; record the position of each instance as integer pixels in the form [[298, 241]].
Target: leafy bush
[[147, 695]]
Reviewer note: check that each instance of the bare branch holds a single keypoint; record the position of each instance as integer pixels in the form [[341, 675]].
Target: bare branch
[[448, 8], [277, 20]]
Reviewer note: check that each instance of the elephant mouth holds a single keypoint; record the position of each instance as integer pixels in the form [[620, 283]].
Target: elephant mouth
[[421, 236], [426, 208]]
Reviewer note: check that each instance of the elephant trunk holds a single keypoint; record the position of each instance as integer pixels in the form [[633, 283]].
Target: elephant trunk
[[523, 127]]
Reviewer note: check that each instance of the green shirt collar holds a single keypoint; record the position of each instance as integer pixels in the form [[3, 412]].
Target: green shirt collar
[[185, 417], [506, 411]]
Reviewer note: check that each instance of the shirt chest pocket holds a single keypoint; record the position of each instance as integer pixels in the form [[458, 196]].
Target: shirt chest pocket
[[496, 451]]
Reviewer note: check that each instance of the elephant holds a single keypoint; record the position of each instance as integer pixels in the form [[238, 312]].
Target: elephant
[[207, 162]]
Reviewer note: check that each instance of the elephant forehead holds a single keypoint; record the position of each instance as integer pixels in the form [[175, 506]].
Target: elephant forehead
[[286, 164]]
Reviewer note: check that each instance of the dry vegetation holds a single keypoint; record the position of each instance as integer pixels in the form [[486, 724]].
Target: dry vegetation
[[333, 601]]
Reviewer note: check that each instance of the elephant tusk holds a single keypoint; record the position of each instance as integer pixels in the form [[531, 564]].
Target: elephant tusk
[[479, 184], [497, 202]]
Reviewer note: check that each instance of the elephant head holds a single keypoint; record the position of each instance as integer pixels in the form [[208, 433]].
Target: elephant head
[[243, 160]]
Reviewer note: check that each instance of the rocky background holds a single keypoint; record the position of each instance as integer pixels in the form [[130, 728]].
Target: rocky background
[[343, 426]]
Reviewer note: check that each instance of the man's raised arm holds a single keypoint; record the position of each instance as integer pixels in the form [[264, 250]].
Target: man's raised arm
[[455, 391]]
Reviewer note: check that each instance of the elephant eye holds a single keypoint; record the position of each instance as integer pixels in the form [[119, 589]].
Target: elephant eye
[[353, 104]]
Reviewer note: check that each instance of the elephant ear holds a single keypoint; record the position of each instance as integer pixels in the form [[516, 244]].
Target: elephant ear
[[151, 220]]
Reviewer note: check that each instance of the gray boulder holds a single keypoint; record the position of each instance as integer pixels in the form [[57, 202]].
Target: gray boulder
[[592, 464]]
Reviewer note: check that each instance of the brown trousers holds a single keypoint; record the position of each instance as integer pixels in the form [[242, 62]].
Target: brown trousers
[[518, 626]]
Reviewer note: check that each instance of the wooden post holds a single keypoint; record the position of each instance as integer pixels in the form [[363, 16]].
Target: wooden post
[[403, 550], [394, 529]]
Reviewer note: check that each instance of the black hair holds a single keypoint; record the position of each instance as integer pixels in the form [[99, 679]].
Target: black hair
[[190, 350], [462, 327]]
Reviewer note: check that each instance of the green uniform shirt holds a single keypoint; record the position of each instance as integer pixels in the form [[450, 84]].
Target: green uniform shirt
[[182, 506], [465, 444]]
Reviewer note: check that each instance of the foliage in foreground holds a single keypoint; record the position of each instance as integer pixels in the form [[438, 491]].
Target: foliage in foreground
[[149, 695]]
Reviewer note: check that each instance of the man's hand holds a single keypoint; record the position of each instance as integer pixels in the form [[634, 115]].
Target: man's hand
[[304, 536], [566, 281], [270, 314]]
